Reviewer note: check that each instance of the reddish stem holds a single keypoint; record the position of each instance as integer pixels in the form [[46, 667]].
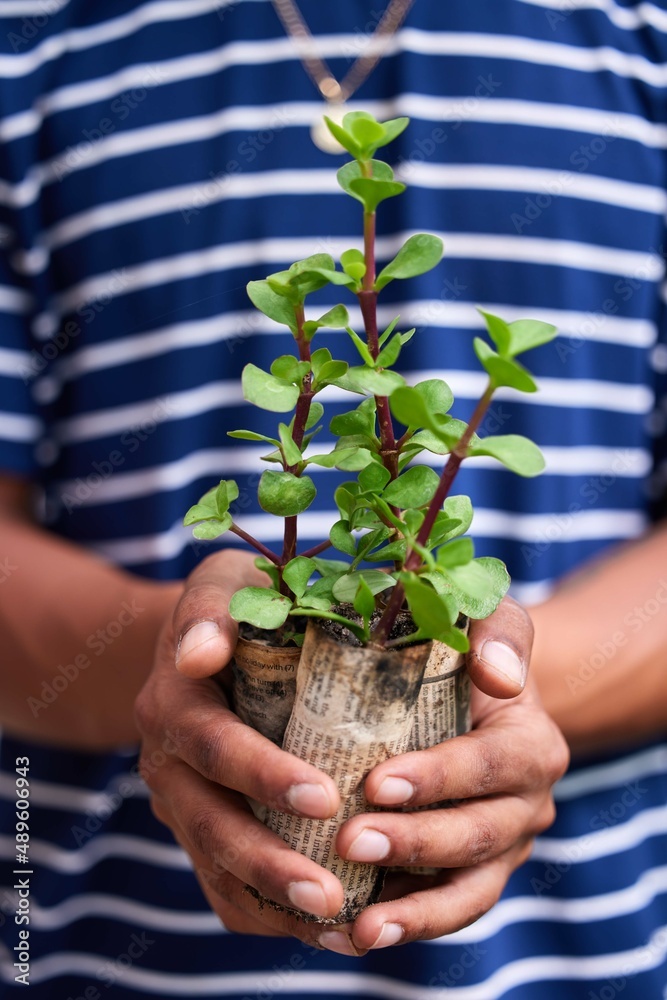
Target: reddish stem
[[298, 433], [382, 630], [316, 549], [267, 553]]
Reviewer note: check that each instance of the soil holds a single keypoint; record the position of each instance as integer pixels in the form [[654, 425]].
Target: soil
[[273, 637]]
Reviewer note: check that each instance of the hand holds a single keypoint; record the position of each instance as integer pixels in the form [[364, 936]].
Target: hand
[[213, 761], [502, 773]]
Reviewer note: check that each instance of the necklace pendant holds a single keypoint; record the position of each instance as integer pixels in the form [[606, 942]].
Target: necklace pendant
[[321, 135]]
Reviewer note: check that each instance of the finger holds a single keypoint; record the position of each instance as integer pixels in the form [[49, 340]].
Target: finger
[[461, 898], [500, 648], [518, 749], [465, 835], [220, 827], [205, 633]]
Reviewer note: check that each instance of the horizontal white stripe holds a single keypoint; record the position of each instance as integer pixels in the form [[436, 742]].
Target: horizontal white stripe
[[520, 909], [536, 52], [616, 774], [532, 593], [603, 843], [79, 39], [575, 327], [31, 8], [14, 300], [232, 462], [296, 114], [565, 183], [639, 16], [14, 363], [229, 256], [107, 845], [541, 968], [48, 795], [468, 385], [535, 528], [106, 907], [15, 427]]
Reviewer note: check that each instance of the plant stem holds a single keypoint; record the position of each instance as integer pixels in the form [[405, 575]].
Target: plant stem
[[267, 553], [316, 549], [382, 630], [298, 432]]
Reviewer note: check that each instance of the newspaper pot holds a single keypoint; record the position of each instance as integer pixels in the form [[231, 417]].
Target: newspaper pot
[[264, 685], [354, 708]]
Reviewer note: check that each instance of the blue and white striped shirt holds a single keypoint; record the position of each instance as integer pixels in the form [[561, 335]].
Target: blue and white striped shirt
[[155, 155]]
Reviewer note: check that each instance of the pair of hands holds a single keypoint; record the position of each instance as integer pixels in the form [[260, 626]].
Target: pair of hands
[[200, 762]]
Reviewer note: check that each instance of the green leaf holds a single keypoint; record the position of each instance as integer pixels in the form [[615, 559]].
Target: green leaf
[[372, 191], [413, 521], [297, 573], [260, 607], [389, 354], [252, 436], [528, 333], [285, 495], [441, 442], [503, 371], [290, 449], [271, 304], [413, 488], [478, 598], [384, 337], [370, 541], [335, 319], [345, 587], [332, 459], [341, 538], [316, 413], [443, 529], [353, 263], [499, 331], [308, 275], [268, 392], [422, 405], [517, 453], [214, 504], [360, 421], [345, 497], [364, 602], [213, 527], [456, 553], [271, 570], [321, 276], [330, 373], [393, 128], [420, 253], [289, 369], [374, 477], [366, 131], [460, 509], [352, 172], [369, 382], [346, 140], [394, 552], [361, 346], [434, 614], [330, 567]]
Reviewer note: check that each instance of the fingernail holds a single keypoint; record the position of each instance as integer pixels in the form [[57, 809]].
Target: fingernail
[[196, 636], [503, 660], [390, 934], [309, 897], [394, 792], [310, 800], [338, 942], [370, 845]]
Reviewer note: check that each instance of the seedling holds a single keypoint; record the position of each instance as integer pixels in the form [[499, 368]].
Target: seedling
[[394, 514]]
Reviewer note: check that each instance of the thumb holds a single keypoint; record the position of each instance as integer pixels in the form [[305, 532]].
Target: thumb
[[204, 631], [500, 647]]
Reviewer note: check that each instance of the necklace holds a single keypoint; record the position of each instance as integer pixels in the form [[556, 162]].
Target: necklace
[[333, 92]]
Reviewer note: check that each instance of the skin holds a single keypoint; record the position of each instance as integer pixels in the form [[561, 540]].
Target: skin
[[214, 761]]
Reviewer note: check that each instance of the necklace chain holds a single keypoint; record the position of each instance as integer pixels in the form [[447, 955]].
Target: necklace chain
[[333, 91]]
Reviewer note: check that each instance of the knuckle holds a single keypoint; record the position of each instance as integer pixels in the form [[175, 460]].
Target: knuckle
[[202, 829], [489, 768], [546, 816], [482, 841], [144, 712], [206, 750]]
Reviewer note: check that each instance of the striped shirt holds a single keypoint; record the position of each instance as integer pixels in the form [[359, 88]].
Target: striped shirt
[[155, 155]]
